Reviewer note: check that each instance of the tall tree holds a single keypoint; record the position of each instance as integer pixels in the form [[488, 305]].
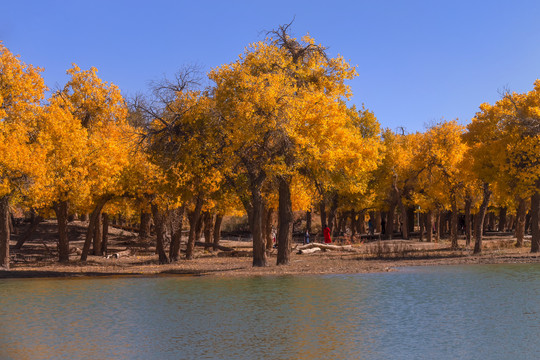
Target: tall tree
[[21, 91], [100, 110]]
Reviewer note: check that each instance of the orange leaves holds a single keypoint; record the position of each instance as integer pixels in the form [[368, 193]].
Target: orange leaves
[[438, 165], [21, 90], [83, 139], [504, 140], [93, 101]]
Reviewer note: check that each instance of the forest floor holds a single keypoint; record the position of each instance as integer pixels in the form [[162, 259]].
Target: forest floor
[[38, 256]]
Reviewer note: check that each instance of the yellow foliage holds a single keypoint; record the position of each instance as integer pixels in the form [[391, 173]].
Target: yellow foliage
[[21, 90]]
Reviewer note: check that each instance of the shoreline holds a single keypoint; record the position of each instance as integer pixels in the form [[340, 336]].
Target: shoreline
[[212, 265]]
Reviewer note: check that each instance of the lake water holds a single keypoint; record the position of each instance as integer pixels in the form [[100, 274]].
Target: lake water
[[467, 312]]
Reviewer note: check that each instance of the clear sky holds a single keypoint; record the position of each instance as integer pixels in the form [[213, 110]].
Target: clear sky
[[418, 61]]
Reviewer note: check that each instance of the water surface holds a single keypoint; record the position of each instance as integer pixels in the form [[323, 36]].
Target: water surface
[[465, 312]]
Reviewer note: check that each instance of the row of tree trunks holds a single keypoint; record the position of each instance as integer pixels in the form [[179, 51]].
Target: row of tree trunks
[[94, 217], [426, 225], [34, 223]]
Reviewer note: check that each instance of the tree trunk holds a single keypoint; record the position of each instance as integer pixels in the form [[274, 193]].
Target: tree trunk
[[259, 248], [105, 239], [5, 235], [520, 221], [535, 222], [332, 214], [443, 223], [510, 223], [389, 226], [479, 221], [342, 216], [265, 225], [454, 223], [208, 220], [422, 219], [353, 224], [36, 219], [194, 221], [91, 227], [177, 219], [308, 221], [267, 228], [144, 227], [61, 210], [322, 210], [361, 223], [502, 219], [468, 223], [98, 236], [429, 226], [285, 222], [217, 230], [488, 221], [438, 226], [404, 222], [159, 220], [410, 219], [378, 221]]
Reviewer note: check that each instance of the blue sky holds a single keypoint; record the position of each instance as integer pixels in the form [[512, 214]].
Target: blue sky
[[418, 61]]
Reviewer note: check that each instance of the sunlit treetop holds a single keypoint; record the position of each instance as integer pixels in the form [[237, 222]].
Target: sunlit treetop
[[93, 101], [21, 87], [21, 91]]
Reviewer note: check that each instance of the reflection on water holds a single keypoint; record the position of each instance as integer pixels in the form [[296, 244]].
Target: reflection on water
[[472, 312]]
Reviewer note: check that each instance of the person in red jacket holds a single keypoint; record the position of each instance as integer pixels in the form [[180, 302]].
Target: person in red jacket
[[327, 237]]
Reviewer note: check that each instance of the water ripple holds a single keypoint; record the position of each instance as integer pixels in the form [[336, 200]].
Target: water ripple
[[469, 312]]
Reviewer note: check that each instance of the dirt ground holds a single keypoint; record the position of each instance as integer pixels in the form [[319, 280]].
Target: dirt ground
[[38, 257]]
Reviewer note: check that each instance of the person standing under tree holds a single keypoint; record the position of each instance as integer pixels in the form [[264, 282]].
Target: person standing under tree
[[327, 237], [306, 237]]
